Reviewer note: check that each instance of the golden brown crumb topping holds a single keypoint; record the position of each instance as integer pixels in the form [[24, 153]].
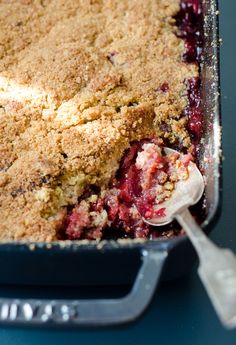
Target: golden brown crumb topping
[[79, 81]]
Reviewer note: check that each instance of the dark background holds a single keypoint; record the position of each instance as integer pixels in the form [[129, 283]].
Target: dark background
[[180, 312]]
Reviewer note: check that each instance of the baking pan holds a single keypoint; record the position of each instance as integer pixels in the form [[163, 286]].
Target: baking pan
[[140, 263]]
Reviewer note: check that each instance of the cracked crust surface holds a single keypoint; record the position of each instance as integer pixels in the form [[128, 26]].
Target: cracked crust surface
[[79, 81]]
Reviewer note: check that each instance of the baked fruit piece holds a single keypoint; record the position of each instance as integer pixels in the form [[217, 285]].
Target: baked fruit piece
[[80, 82]]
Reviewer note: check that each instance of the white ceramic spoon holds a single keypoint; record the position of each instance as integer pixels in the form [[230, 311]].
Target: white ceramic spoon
[[217, 268]]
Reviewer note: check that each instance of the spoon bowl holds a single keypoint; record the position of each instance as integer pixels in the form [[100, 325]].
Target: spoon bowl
[[186, 193]]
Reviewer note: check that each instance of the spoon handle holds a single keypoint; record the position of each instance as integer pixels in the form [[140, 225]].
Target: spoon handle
[[217, 269]]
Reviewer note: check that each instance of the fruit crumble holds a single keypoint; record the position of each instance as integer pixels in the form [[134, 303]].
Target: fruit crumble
[[90, 93]]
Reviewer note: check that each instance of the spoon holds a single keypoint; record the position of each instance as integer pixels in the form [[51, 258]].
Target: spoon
[[217, 267]]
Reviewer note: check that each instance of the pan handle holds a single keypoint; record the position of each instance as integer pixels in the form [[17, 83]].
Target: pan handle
[[94, 312]]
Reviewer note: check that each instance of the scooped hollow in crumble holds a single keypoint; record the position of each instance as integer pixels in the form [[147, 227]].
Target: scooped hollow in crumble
[[146, 179]]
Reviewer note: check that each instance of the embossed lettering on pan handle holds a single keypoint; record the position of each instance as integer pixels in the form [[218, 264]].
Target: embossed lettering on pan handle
[[90, 312]]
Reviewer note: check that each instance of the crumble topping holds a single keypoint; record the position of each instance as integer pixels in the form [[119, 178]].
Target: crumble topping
[[80, 80]]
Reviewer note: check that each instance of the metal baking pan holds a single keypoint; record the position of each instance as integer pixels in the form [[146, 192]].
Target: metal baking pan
[[142, 264]]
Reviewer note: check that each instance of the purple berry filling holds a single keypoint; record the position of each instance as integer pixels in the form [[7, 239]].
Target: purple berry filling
[[189, 21]]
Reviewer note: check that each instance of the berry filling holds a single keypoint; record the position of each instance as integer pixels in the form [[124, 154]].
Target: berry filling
[[145, 179], [194, 110], [189, 21]]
